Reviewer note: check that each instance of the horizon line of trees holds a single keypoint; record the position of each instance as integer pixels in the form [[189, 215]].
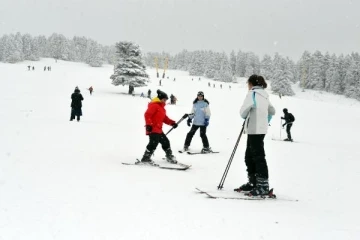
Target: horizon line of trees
[[318, 71], [20, 47]]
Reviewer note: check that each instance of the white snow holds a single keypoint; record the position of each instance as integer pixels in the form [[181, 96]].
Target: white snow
[[64, 180]]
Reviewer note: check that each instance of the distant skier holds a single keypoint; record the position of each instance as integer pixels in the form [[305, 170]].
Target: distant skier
[[45, 68], [29, 68], [257, 112], [289, 120], [173, 99], [200, 113], [209, 84], [33, 68], [149, 94], [91, 89], [155, 116], [76, 104]]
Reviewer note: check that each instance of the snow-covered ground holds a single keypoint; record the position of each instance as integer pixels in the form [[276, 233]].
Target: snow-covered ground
[[64, 180]]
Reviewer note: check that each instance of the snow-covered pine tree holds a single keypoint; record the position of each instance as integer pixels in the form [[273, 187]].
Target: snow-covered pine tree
[[224, 74], [281, 80], [93, 54], [266, 69], [130, 68], [333, 81], [352, 80], [249, 70], [233, 62], [197, 67], [211, 65]]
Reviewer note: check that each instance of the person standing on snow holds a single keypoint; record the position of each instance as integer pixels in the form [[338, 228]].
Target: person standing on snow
[[155, 116], [289, 120], [200, 113], [257, 112], [76, 104]]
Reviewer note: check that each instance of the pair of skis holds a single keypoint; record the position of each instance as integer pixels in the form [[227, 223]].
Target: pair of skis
[[194, 153], [223, 194], [164, 165]]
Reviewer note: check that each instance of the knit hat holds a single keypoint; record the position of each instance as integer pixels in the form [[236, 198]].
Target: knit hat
[[161, 94], [201, 93]]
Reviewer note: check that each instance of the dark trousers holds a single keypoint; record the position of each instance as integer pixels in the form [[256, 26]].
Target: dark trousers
[[155, 139], [288, 127], [75, 112], [203, 136], [255, 156]]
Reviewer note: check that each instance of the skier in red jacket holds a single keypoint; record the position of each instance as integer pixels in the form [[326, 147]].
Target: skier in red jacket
[[155, 116]]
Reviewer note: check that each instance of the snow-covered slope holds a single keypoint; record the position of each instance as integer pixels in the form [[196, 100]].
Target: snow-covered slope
[[64, 180]]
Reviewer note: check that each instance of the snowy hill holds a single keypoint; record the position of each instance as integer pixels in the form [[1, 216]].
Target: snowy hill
[[64, 180]]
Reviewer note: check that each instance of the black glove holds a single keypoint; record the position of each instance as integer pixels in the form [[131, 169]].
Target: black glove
[[175, 125], [189, 122], [148, 128]]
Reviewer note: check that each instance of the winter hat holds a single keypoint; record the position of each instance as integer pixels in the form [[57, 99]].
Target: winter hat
[[161, 94], [285, 110], [201, 93]]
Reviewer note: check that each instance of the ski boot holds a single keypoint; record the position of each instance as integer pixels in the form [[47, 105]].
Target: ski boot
[[288, 140], [247, 186], [146, 159], [170, 157], [261, 188], [206, 150], [186, 148]]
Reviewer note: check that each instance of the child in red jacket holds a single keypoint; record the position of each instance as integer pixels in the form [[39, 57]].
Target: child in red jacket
[[155, 116]]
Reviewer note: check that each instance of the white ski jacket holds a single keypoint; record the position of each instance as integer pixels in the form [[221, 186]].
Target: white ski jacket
[[257, 111]]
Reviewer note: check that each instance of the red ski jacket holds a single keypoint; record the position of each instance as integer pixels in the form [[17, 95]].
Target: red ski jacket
[[155, 116]]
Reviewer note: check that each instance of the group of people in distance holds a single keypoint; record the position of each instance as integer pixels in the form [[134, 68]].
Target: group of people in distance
[[256, 111]]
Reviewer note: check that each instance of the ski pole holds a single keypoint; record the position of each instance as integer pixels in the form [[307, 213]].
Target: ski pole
[[221, 184], [183, 117]]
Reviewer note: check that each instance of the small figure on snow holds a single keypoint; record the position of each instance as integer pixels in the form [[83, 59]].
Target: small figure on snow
[[200, 113], [91, 89], [155, 116], [76, 104], [289, 120], [149, 94], [257, 112], [173, 99]]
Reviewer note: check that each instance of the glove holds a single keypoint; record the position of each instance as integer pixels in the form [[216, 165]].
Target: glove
[[189, 122], [148, 128], [206, 123], [174, 125]]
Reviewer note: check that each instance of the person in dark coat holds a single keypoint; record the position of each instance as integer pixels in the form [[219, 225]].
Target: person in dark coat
[[76, 104], [289, 120]]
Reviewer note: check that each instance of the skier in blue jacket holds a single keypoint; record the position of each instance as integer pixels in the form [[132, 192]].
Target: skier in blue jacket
[[200, 115]]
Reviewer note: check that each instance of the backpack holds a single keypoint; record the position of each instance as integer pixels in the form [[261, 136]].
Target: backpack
[[292, 118]]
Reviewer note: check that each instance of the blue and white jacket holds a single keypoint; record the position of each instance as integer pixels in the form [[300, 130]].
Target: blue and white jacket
[[199, 112], [257, 110]]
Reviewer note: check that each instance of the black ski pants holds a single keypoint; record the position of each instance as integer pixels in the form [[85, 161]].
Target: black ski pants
[[203, 136], [288, 127], [155, 139], [255, 156], [75, 112]]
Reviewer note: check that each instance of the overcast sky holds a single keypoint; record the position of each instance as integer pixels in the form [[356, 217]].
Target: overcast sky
[[262, 26]]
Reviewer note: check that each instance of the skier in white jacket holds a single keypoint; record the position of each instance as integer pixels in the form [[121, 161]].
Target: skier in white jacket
[[257, 112]]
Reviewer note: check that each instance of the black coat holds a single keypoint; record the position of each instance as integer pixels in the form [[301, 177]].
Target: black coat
[[76, 99], [289, 118]]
